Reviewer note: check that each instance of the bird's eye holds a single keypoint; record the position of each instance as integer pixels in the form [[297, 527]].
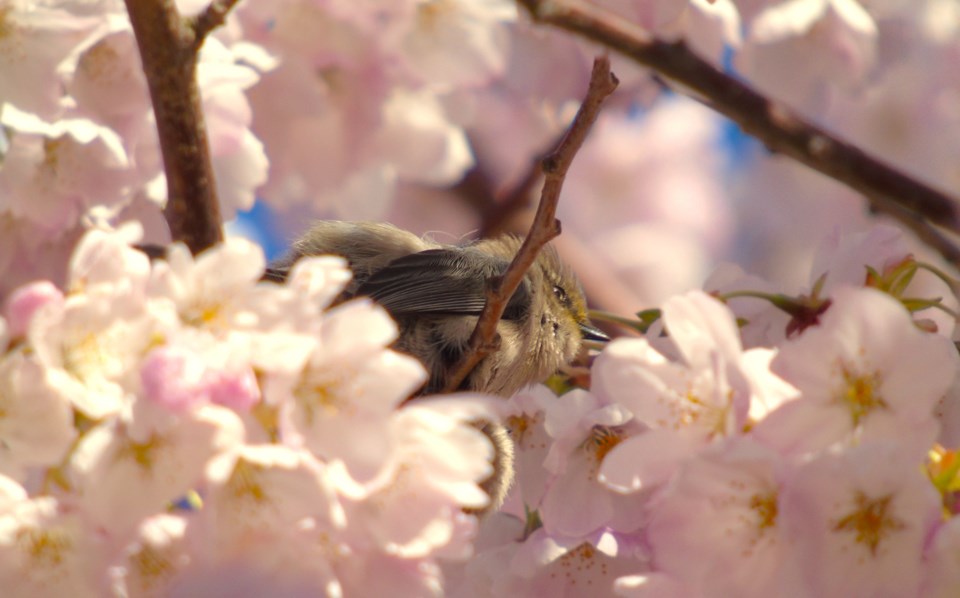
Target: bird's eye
[[559, 293]]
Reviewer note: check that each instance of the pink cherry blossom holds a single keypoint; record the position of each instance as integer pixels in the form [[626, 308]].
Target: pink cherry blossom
[[25, 301], [706, 395], [36, 37], [831, 44], [716, 526], [584, 431], [47, 550], [865, 373], [65, 167], [36, 422], [126, 470], [858, 522]]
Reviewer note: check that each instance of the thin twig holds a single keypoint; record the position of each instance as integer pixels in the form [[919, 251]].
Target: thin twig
[[168, 46], [209, 19], [772, 123], [517, 197], [545, 225]]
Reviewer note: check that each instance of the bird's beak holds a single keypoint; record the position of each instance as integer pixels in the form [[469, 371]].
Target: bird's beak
[[592, 333]]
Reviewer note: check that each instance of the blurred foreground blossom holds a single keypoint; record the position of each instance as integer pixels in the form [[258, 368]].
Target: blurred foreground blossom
[[146, 383]]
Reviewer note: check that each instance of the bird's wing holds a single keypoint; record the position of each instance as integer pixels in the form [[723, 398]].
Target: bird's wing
[[441, 281]]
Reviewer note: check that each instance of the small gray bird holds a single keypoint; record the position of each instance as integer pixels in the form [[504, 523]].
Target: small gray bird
[[436, 292]]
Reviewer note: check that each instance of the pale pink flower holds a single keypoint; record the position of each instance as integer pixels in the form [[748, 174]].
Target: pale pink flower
[[36, 421], [236, 388], [126, 469], [708, 27], [63, 167], [544, 565], [23, 303], [414, 506], [90, 346], [209, 290], [108, 84], [266, 526], [495, 540], [104, 262], [28, 254], [858, 522], [947, 413], [379, 574], [48, 550], [865, 373], [154, 559], [174, 377], [706, 395], [844, 259], [239, 162], [271, 493], [801, 50], [763, 324], [319, 279], [525, 418], [419, 142], [716, 524], [194, 368], [349, 388], [585, 430], [455, 42], [36, 37]]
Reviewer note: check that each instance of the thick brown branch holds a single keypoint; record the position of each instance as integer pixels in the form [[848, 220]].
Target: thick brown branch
[[212, 17], [772, 123], [169, 57], [545, 225]]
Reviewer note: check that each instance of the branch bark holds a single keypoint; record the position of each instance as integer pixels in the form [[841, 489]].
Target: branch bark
[[169, 45], [209, 19], [545, 225], [889, 190]]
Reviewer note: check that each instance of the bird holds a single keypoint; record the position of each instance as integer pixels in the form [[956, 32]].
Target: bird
[[435, 292]]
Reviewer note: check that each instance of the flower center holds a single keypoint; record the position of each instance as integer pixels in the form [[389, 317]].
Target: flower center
[[45, 547], [602, 440], [141, 453], [765, 507], [871, 521], [860, 394], [245, 483]]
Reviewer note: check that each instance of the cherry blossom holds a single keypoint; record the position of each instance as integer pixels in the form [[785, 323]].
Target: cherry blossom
[[859, 520], [831, 43], [177, 426], [707, 394], [717, 526], [866, 373]]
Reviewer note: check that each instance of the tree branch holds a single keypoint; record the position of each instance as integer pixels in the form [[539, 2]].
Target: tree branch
[[209, 19], [545, 225], [517, 197], [889, 190], [168, 47]]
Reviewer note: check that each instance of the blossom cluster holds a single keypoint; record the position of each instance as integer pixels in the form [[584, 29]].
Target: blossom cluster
[[179, 427], [819, 462]]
